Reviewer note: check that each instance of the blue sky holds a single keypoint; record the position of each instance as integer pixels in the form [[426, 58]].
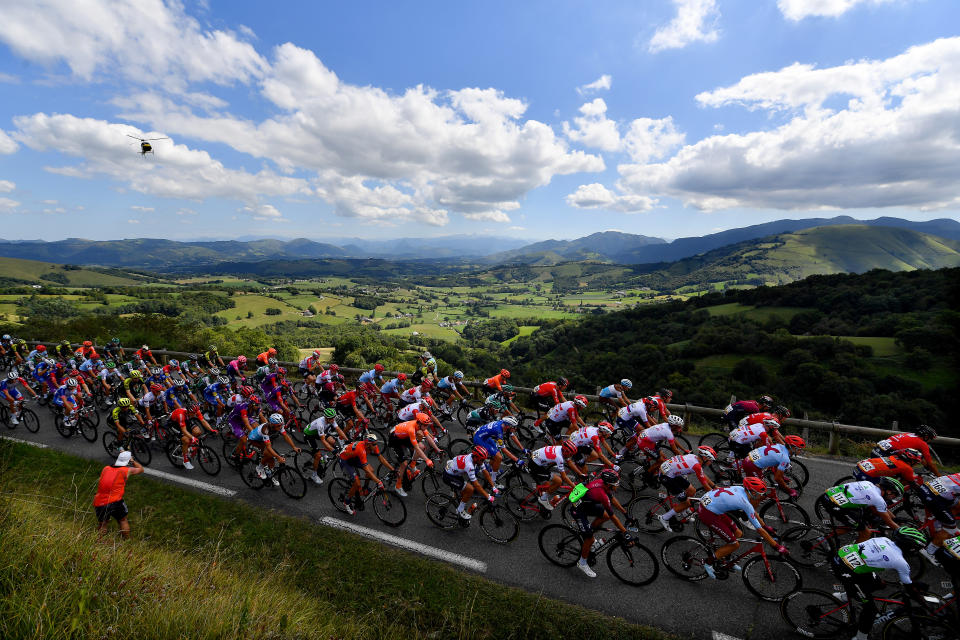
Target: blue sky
[[532, 119]]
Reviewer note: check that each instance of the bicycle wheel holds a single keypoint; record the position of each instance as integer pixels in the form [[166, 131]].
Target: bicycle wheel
[[429, 482], [442, 510], [783, 516], [111, 444], [646, 510], [463, 412], [209, 460], [229, 446], [800, 470], [93, 416], [902, 628], [5, 417], [714, 439], [817, 614], [498, 524], [809, 547], [87, 429], [140, 450], [174, 451], [684, 557], [522, 502], [773, 584], [292, 483], [560, 544], [248, 473], [338, 490], [459, 447], [62, 428], [635, 564], [389, 508], [29, 420]]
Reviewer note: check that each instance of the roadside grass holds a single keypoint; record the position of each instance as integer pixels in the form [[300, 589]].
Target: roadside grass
[[198, 566]]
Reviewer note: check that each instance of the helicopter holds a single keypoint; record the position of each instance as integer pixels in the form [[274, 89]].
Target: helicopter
[[145, 146]]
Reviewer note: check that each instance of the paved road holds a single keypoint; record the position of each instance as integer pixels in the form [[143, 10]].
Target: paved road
[[695, 610]]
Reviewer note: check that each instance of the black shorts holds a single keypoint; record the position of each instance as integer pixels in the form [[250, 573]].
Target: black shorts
[[538, 473], [116, 510], [677, 486], [584, 512], [541, 402], [454, 481], [304, 372], [314, 441], [741, 449], [555, 428], [345, 413], [401, 447]]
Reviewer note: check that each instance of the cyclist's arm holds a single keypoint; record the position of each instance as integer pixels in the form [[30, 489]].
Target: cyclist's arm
[[887, 518], [286, 436], [367, 469], [384, 462]]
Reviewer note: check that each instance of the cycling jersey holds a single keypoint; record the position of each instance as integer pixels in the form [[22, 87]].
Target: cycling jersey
[[610, 392], [771, 455], [650, 436], [749, 433], [496, 382], [63, 393], [946, 487], [233, 368], [257, 435], [597, 495], [876, 554], [211, 392], [355, 453], [586, 437], [720, 501], [548, 390], [447, 383], [410, 411], [657, 403], [148, 398], [885, 467], [369, 377], [8, 386], [546, 456], [179, 416], [902, 441], [122, 412], [348, 399], [325, 376], [412, 394], [462, 466], [489, 436], [563, 412], [270, 384], [854, 495], [682, 466], [319, 427], [391, 386], [132, 382], [759, 418], [169, 397], [307, 363], [633, 412], [406, 431]]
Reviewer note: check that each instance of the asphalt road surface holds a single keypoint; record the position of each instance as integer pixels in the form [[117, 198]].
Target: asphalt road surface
[[715, 610]]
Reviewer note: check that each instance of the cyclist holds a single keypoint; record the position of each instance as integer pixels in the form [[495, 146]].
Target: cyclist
[[244, 416], [39, 352], [259, 437], [548, 394], [775, 457], [658, 403], [120, 414], [491, 436], [115, 350], [450, 388], [648, 439], [737, 411], [307, 366], [713, 509], [460, 474], [589, 441], [272, 389], [210, 358], [495, 383], [633, 419], [133, 384], [771, 421], [8, 387], [235, 368], [597, 503], [854, 504], [429, 370], [899, 465], [392, 389], [918, 440], [144, 354], [743, 440], [64, 397], [43, 374], [213, 394], [856, 565], [941, 498], [150, 398], [615, 395], [415, 394], [320, 434], [557, 456], [63, 351], [369, 381], [565, 417], [263, 359], [422, 407], [346, 406], [177, 421], [672, 475], [405, 440], [353, 458]]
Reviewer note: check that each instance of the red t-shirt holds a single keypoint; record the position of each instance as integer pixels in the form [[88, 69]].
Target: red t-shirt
[[113, 481]]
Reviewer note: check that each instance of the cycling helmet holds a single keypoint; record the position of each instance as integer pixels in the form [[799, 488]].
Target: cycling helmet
[[123, 402], [371, 438], [707, 452], [334, 368], [507, 388], [626, 384], [795, 441], [215, 371], [909, 538], [281, 371], [426, 384], [580, 401], [926, 432], [242, 359], [504, 373], [156, 388], [41, 348], [675, 421], [568, 449], [13, 375], [271, 351], [87, 343], [174, 363], [156, 371], [246, 391], [911, 456], [72, 382], [179, 383], [423, 418], [317, 354], [329, 412], [610, 477], [272, 362], [432, 362], [212, 347], [782, 411], [458, 375], [378, 368], [665, 394], [510, 421], [771, 423], [136, 374], [765, 402], [276, 418], [145, 347], [401, 377], [6, 336], [562, 382], [223, 380], [605, 428], [254, 399], [754, 484], [194, 356], [891, 484], [479, 453], [115, 340], [110, 364]]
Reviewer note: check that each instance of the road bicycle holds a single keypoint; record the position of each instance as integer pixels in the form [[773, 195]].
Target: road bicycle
[[496, 520], [290, 480], [389, 508], [79, 422], [25, 417], [197, 451], [628, 560], [646, 511]]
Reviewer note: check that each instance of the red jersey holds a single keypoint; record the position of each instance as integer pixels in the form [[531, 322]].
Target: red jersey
[[886, 467], [355, 453], [548, 390], [597, 492], [902, 441], [348, 399]]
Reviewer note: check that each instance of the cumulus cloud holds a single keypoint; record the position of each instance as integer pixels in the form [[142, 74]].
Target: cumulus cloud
[[695, 22], [488, 216], [799, 9], [143, 40], [8, 206], [7, 144], [6, 186], [597, 196], [649, 139], [264, 212], [602, 83], [895, 141], [645, 138]]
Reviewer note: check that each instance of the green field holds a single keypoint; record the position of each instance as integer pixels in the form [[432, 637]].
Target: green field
[[525, 330], [33, 270], [882, 347], [760, 314]]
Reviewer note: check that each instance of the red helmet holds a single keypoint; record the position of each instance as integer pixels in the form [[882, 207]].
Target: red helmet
[[41, 348], [707, 452], [272, 351], [581, 401], [246, 391], [281, 371], [795, 441], [754, 484], [378, 368], [255, 399], [479, 453], [423, 418], [401, 377], [87, 343], [568, 449], [504, 373], [156, 388], [426, 384], [334, 368], [911, 456]]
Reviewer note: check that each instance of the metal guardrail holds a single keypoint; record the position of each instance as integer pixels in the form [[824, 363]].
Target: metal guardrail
[[835, 430]]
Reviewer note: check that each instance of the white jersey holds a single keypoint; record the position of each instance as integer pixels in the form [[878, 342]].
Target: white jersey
[[863, 493], [562, 412], [462, 466], [410, 411], [547, 456], [325, 376], [658, 433], [876, 553], [413, 394], [681, 466], [635, 411], [748, 433], [147, 399], [234, 399], [586, 437], [947, 487]]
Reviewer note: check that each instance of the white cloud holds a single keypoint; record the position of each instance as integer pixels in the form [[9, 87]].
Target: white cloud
[[148, 41], [649, 139], [694, 22], [593, 128], [7, 205], [894, 142], [489, 216], [602, 83], [7, 144], [6, 186], [264, 212], [799, 9], [645, 138], [6, 77], [597, 196], [133, 221], [49, 201], [137, 207], [517, 228], [55, 210], [186, 212]]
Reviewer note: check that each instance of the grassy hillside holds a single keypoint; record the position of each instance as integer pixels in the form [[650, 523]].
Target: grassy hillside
[[56, 275]]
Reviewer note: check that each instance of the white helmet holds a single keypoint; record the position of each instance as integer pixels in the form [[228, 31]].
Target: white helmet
[[626, 384], [510, 420], [675, 421], [276, 418]]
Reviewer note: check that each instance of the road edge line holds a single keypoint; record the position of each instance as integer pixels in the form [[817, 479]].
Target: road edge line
[[39, 445], [190, 482]]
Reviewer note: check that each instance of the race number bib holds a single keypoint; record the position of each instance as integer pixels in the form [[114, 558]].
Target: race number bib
[[866, 465], [755, 455], [838, 496], [952, 546], [884, 445], [705, 501], [851, 557], [936, 485]]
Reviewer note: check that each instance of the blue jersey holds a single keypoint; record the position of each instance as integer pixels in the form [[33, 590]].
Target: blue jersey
[[489, 436], [86, 365], [169, 397], [447, 383], [724, 499], [370, 376], [10, 386], [610, 392], [62, 393], [392, 386], [257, 435], [774, 455]]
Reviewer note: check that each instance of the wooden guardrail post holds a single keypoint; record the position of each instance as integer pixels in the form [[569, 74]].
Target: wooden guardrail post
[[834, 445], [686, 414]]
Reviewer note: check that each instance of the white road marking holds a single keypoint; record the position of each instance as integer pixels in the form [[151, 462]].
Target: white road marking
[[409, 545], [32, 444], [722, 636], [190, 482], [843, 463]]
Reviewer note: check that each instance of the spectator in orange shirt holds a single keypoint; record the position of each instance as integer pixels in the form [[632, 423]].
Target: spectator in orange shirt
[[108, 503]]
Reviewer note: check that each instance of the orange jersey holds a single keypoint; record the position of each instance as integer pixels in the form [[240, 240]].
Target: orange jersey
[[887, 467], [355, 451], [406, 430], [496, 382], [113, 481]]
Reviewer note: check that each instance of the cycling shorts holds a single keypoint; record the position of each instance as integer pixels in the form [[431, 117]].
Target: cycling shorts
[[676, 486], [274, 404], [720, 523], [402, 447], [455, 481], [556, 428], [212, 398], [628, 425], [304, 372], [349, 469], [541, 402], [14, 393], [584, 512], [850, 517], [489, 444], [538, 473], [939, 506], [238, 429], [752, 470]]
